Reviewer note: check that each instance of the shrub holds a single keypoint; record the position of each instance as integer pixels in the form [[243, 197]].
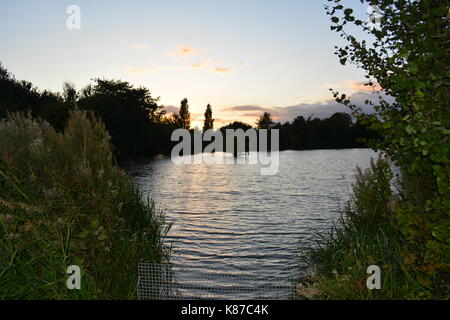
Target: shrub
[[63, 201], [368, 233], [407, 57]]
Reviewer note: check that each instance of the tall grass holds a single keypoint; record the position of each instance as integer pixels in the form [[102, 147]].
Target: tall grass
[[63, 201], [367, 233]]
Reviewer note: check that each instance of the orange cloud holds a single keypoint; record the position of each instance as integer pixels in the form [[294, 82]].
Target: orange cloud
[[222, 69], [244, 108], [200, 64], [185, 51], [188, 50], [206, 63], [353, 85], [361, 86]]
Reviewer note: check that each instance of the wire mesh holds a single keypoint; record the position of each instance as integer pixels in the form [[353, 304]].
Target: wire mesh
[[176, 282]]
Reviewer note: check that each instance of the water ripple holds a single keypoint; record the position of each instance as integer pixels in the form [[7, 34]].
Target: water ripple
[[228, 216]]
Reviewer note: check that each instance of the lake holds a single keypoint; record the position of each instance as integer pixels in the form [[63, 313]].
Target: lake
[[229, 218]]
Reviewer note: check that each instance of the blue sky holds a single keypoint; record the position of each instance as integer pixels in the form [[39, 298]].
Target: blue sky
[[268, 54]]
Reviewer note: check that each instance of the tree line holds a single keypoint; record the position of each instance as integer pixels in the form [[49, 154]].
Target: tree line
[[140, 127]]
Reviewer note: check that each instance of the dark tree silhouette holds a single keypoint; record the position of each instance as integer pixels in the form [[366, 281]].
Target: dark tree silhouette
[[138, 125], [69, 93], [236, 125], [337, 132], [265, 121], [209, 121], [130, 115], [185, 116]]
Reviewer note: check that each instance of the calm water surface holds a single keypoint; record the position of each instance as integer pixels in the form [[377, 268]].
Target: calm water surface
[[229, 217]]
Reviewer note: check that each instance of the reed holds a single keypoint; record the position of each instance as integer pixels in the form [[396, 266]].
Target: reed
[[64, 201], [367, 233]]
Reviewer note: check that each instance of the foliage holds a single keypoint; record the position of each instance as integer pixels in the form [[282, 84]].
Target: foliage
[[185, 116], [265, 121], [365, 235], [209, 121], [22, 96], [132, 116], [63, 202], [236, 125], [139, 127], [338, 131], [408, 59]]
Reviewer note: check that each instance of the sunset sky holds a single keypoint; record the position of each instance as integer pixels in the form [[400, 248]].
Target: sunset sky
[[243, 57]]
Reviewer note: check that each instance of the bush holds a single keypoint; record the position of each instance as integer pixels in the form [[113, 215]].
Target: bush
[[368, 233], [408, 58], [63, 201]]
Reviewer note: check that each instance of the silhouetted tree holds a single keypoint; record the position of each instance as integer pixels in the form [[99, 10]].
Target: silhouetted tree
[[17, 95], [185, 116], [138, 125], [209, 121], [69, 93], [265, 121], [22, 96], [130, 115], [335, 132], [236, 125]]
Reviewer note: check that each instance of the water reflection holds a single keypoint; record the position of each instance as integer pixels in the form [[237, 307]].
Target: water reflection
[[228, 216]]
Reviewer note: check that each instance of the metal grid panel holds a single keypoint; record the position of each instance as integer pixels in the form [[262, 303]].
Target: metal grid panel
[[175, 282]]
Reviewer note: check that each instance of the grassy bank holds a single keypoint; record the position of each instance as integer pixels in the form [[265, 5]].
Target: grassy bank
[[63, 201], [369, 233]]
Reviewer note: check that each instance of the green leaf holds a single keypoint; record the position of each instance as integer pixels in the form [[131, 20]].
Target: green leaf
[[102, 237], [410, 130], [94, 223], [84, 234]]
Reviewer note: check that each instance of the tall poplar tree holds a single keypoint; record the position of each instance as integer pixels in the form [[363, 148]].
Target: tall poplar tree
[[209, 121], [185, 116]]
